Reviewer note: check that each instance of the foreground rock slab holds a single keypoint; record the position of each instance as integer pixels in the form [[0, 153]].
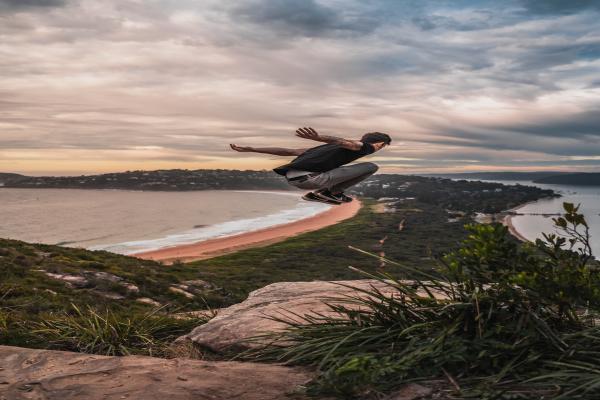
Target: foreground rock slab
[[234, 325], [59, 375]]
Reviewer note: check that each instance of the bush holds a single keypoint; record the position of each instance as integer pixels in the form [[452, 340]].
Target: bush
[[498, 320]]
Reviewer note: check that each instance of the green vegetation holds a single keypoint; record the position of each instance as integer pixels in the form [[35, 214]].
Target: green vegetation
[[498, 320], [95, 293], [324, 255], [466, 196]]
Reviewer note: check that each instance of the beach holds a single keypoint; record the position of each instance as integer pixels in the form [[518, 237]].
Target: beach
[[223, 245], [507, 221]]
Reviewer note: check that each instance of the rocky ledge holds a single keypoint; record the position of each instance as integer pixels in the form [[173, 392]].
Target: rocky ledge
[[60, 375], [233, 326]]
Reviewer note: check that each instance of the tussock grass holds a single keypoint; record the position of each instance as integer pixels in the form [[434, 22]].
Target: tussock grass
[[87, 330], [497, 320]]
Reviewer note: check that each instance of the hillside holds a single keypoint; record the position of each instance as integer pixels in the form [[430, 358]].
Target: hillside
[[502, 176], [8, 177], [172, 179], [580, 179]]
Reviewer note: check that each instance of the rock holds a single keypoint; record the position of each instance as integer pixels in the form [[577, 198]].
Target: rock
[[202, 314], [104, 276], [70, 280], [199, 284], [131, 287], [179, 290], [114, 279], [59, 375], [109, 295], [233, 325], [412, 391], [148, 300]]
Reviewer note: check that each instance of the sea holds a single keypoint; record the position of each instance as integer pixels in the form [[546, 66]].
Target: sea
[[530, 224], [127, 222]]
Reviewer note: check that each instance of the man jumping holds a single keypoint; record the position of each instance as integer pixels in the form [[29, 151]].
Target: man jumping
[[321, 168]]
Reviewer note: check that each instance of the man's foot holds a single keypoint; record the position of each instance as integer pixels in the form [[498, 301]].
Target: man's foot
[[339, 197], [310, 196]]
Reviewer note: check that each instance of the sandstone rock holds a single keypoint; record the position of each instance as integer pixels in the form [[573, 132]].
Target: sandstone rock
[[70, 280], [82, 281], [233, 325], [58, 375], [412, 391]]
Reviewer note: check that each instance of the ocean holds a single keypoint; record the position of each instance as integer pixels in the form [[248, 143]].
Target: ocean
[[531, 226], [128, 222]]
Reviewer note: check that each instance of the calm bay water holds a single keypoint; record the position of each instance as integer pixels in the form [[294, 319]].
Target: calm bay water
[[131, 221], [532, 226]]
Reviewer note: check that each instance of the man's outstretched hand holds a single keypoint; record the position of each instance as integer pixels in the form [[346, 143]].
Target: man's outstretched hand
[[308, 133], [241, 148]]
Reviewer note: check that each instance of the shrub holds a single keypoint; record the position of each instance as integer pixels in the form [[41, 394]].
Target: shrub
[[498, 320]]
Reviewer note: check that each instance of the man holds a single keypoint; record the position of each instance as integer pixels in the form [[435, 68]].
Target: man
[[322, 168]]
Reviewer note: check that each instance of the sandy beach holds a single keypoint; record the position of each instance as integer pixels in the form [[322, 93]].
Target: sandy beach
[[507, 221], [219, 246]]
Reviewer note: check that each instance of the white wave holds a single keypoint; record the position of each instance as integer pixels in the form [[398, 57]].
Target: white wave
[[229, 228]]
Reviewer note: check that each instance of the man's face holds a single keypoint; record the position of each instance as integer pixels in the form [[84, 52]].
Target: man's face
[[379, 145]]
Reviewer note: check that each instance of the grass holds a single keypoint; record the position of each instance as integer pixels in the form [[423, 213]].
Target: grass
[[323, 255]]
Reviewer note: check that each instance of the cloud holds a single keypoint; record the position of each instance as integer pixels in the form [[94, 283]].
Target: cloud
[[302, 18], [459, 83], [572, 135], [559, 6]]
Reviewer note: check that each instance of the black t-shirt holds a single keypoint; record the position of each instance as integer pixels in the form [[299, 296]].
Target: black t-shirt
[[325, 158]]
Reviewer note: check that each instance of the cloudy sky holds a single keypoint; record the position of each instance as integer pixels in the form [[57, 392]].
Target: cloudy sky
[[109, 85]]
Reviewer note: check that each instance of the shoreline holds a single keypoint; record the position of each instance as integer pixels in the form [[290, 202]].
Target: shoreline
[[261, 237]]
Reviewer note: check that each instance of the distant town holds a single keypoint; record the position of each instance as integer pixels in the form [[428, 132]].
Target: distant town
[[469, 196]]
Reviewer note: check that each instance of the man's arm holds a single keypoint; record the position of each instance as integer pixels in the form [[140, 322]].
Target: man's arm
[[310, 133], [278, 151]]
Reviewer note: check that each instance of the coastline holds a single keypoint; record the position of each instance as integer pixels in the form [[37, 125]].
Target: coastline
[[261, 237], [507, 221]]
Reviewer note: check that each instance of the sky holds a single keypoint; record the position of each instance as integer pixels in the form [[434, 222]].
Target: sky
[[460, 85]]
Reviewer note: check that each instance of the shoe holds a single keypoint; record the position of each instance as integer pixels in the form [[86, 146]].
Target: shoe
[[342, 197], [310, 196], [325, 194]]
